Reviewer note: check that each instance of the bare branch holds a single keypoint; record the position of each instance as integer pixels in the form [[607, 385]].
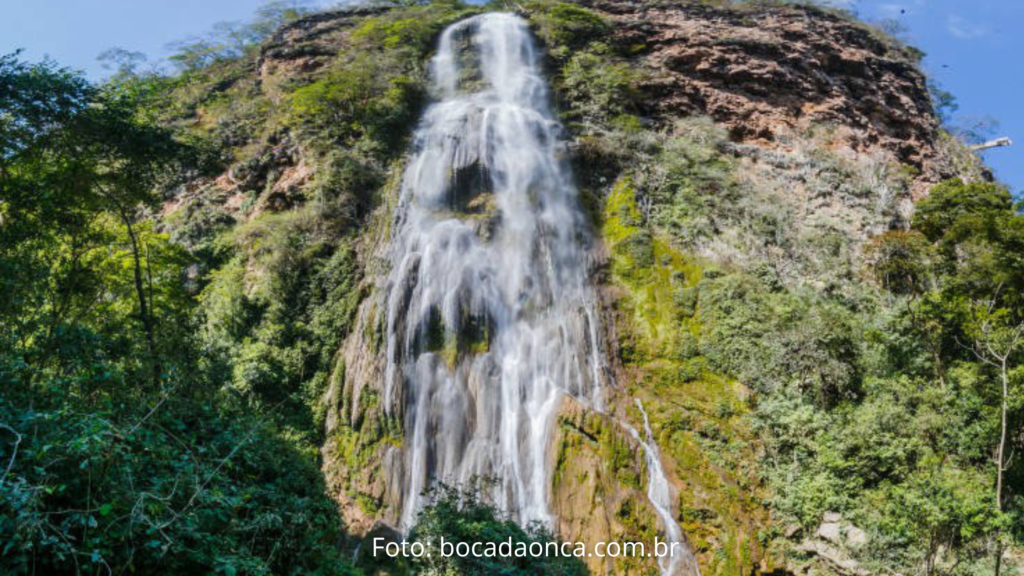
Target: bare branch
[[14, 453], [997, 143]]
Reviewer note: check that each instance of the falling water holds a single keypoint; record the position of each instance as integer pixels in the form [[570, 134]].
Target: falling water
[[491, 320], [660, 495]]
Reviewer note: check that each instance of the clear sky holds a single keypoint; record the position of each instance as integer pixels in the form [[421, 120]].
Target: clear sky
[[975, 47]]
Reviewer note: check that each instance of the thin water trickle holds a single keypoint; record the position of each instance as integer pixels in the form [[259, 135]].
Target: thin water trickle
[[659, 492], [491, 319]]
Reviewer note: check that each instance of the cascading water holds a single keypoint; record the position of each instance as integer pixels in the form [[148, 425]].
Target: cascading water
[[490, 316], [660, 495]]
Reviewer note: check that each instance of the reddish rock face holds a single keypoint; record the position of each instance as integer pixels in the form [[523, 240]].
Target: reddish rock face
[[766, 71]]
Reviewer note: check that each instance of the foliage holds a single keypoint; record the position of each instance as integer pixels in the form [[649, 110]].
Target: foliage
[[594, 82], [230, 40], [566, 28], [121, 453], [372, 94], [457, 515], [969, 206], [106, 479], [943, 101], [278, 320], [900, 261], [692, 183], [369, 97], [873, 401], [775, 339], [145, 430], [597, 87]]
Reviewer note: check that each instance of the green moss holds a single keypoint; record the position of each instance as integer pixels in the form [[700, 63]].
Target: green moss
[[434, 337], [697, 416], [471, 336], [661, 281], [368, 504], [358, 446], [412, 28], [619, 454]]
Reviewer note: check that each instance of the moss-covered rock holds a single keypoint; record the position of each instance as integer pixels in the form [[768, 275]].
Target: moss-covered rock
[[696, 415]]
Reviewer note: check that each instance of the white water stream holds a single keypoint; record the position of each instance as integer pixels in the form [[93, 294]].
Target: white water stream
[[659, 492], [490, 315]]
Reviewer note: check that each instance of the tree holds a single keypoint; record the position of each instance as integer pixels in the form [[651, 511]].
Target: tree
[[943, 508], [458, 515], [233, 39], [123, 62], [956, 209], [72, 153], [900, 261], [998, 341], [103, 470]]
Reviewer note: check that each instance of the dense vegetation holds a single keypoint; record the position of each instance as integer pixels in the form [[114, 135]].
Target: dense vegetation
[[163, 358], [123, 450], [455, 515]]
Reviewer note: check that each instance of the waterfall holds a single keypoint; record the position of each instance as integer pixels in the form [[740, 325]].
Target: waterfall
[[491, 319]]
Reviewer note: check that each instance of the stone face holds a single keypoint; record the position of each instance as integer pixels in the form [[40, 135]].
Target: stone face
[[767, 72], [837, 531], [597, 492]]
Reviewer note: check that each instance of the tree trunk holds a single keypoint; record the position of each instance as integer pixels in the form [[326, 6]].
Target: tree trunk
[[1002, 438], [999, 459], [997, 143], [144, 311]]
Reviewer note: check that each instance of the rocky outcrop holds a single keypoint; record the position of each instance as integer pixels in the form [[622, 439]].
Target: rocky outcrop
[[308, 43], [769, 71], [597, 488]]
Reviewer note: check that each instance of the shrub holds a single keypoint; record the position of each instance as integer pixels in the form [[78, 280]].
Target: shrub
[[458, 515], [954, 201], [900, 261], [775, 340], [598, 88], [565, 27], [368, 95]]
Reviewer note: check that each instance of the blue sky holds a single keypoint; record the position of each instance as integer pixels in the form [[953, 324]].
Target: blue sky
[[974, 50], [974, 47]]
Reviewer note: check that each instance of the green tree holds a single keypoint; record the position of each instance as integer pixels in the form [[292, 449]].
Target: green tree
[[458, 515], [77, 152], [105, 469], [900, 261], [998, 341]]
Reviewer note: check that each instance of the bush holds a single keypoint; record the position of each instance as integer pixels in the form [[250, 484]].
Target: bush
[[458, 515], [776, 340], [167, 482], [954, 202], [565, 28], [371, 96], [692, 185], [900, 261], [598, 88]]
